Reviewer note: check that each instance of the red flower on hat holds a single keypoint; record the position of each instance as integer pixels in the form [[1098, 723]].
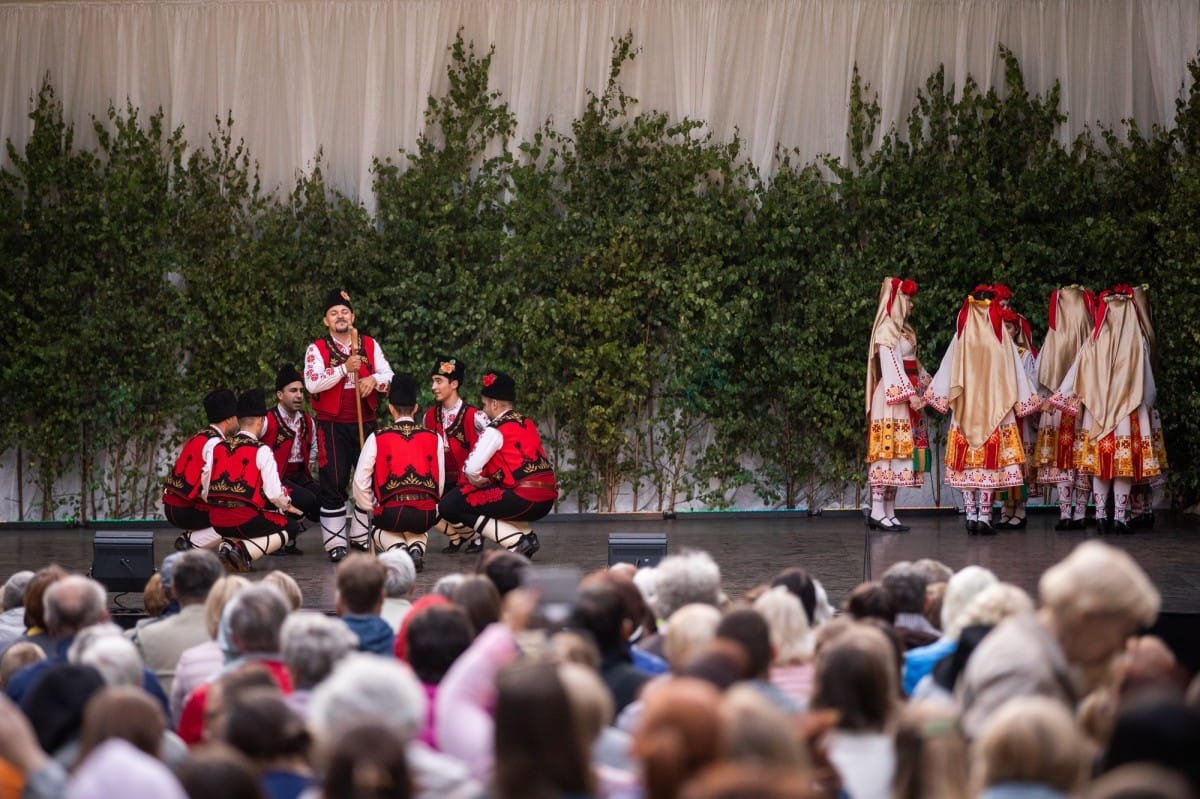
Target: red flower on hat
[[447, 367], [488, 379], [909, 288], [345, 296]]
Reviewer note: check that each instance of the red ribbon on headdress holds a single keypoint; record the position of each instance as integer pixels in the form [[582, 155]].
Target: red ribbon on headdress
[[994, 315], [905, 287], [892, 294], [1053, 315], [1002, 291]]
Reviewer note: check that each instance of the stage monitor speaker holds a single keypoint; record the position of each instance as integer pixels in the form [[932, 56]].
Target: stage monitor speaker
[[123, 560], [640, 549]]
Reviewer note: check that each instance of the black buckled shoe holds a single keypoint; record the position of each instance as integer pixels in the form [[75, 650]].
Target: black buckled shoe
[[234, 557], [984, 528], [897, 527], [1120, 528], [528, 545], [475, 546], [1064, 524], [453, 547], [972, 527], [337, 554]]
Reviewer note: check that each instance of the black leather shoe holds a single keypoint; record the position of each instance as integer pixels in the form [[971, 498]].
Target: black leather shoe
[[453, 547], [1103, 526], [1014, 523], [475, 547], [881, 524], [1143, 521], [1120, 528], [897, 527], [1078, 524], [337, 554], [289, 549], [972, 527], [528, 545], [183, 543], [1064, 524], [360, 547], [418, 558], [984, 528], [234, 557]]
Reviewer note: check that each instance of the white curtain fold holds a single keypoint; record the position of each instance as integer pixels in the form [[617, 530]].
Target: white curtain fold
[[351, 77]]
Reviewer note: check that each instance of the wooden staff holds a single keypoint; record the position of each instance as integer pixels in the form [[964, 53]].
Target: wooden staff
[[358, 412], [357, 398]]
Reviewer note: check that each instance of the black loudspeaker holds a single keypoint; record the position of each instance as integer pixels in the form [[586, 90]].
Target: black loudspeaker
[[640, 549], [123, 560]]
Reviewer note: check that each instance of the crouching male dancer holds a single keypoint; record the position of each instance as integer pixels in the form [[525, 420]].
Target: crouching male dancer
[[460, 425], [400, 475], [182, 503], [247, 499], [510, 480], [345, 373], [292, 436]]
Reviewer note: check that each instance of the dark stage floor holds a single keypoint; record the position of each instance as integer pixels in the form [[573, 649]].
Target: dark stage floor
[[750, 548]]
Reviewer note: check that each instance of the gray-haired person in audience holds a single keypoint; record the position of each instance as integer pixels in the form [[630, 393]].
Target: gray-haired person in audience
[[312, 644], [367, 689], [12, 620], [397, 586], [1091, 602], [683, 579]]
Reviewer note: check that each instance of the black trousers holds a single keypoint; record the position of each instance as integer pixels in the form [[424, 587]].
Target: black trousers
[[305, 493], [186, 518], [337, 455], [494, 503], [404, 519]]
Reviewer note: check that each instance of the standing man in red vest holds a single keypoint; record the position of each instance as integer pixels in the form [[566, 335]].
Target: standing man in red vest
[[248, 501], [460, 426], [510, 480], [345, 384], [292, 436], [182, 503], [400, 476]]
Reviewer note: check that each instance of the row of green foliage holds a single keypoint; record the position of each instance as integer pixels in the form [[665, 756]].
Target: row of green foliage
[[682, 324]]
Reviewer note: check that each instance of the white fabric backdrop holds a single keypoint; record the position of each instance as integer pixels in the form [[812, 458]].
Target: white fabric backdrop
[[353, 76]]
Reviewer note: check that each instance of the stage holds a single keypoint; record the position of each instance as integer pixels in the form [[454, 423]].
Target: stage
[[750, 547]]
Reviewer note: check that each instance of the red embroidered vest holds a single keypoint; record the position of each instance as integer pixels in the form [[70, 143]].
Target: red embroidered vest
[[460, 438], [279, 438], [184, 479], [406, 464], [326, 404], [521, 462], [236, 480]]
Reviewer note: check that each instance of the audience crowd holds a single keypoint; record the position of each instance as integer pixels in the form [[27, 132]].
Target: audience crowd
[[645, 683]]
